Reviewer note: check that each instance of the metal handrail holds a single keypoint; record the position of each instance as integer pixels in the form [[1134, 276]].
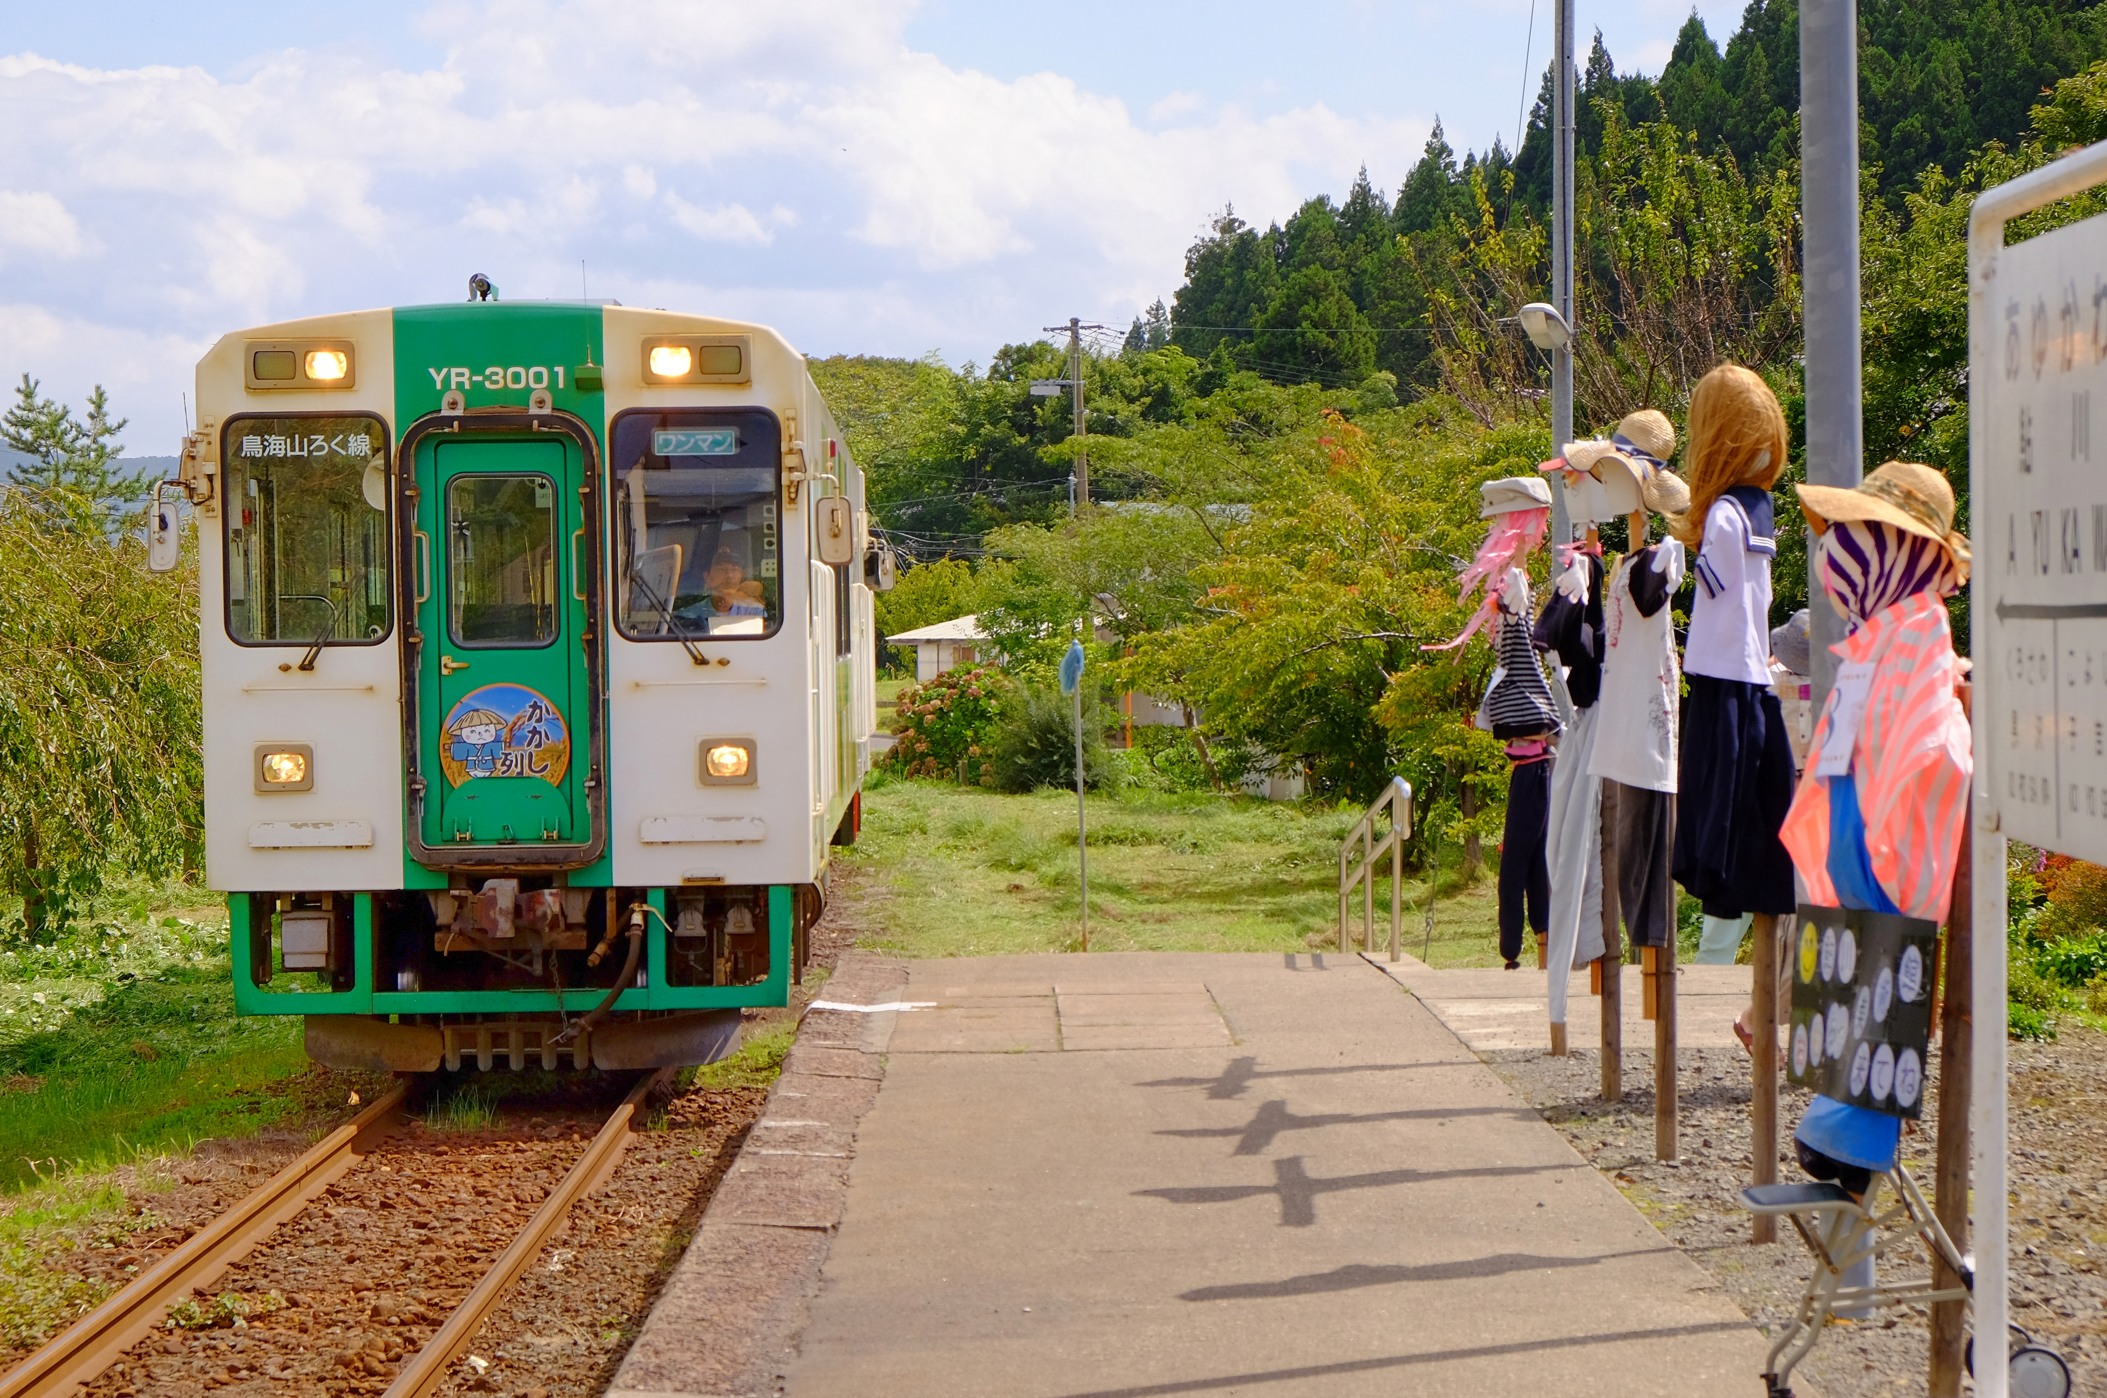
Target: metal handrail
[[1397, 799]]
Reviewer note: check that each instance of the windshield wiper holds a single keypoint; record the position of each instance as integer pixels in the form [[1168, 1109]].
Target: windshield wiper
[[673, 622]]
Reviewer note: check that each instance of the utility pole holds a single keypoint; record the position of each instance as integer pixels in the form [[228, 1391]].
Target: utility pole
[[1562, 109], [1835, 426], [1074, 383], [1829, 214]]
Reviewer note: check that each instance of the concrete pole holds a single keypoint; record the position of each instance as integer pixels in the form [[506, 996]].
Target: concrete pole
[[1562, 100], [1829, 212]]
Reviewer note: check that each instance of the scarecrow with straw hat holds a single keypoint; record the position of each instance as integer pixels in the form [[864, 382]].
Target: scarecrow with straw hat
[[1633, 745], [1517, 707], [1876, 821]]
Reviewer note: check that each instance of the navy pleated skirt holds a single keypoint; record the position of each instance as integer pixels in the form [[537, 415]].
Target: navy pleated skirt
[[1734, 787]]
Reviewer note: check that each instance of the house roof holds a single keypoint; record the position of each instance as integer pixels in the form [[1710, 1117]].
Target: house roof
[[959, 628]]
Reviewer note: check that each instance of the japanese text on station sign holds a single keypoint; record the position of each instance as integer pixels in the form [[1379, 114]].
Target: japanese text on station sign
[[2038, 377]]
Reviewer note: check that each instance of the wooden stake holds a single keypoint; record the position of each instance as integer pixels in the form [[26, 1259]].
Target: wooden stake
[[1609, 971], [1956, 1061], [1664, 1090], [1650, 982], [1763, 1096], [1558, 1041]]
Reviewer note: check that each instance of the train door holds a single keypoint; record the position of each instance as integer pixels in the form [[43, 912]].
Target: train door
[[505, 694]]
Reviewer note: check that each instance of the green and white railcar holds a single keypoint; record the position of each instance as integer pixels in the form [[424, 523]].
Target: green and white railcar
[[538, 664]]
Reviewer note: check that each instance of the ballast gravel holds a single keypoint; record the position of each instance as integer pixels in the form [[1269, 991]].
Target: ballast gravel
[[2058, 1189]]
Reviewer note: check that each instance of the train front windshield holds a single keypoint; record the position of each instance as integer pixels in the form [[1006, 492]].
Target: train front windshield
[[307, 529], [695, 517]]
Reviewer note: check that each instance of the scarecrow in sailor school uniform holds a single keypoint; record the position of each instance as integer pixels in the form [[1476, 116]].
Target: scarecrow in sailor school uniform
[[476, 742]]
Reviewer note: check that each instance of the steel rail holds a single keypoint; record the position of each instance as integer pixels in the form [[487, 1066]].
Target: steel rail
[[98, 1339], [421, 1374]]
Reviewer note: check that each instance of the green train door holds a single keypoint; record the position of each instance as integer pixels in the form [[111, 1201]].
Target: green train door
[[505, 707]]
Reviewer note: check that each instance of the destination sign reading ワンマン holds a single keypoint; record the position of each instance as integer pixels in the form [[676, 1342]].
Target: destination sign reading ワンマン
[[695, 441]]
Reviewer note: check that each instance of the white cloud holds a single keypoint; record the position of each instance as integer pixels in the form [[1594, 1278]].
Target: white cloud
[[37, 223], [724, 223], [863, 195], [147, 373]]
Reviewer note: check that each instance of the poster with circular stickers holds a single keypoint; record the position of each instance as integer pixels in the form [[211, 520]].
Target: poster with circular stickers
[[1861, 1007]]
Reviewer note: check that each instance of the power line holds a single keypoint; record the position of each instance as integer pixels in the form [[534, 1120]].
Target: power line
[[974, 494], [1178, 325]]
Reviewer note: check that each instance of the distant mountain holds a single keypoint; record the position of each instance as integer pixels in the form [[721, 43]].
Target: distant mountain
[[153, 468]]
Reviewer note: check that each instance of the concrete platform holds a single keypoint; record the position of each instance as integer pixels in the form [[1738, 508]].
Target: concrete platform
[[1128, 1176], [1493, 1009]]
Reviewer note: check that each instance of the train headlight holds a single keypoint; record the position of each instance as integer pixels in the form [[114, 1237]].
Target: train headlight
[[327, 365], [672, 361], [694, 359], [295, 365], [728, 762], [285, 767]]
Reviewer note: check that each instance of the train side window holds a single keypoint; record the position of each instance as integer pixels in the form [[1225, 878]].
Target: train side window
[[697, 523], [306, 529]]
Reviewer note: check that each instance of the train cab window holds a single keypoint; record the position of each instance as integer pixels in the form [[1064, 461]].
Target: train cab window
[[306, 520], [695, 516], [501, 560]]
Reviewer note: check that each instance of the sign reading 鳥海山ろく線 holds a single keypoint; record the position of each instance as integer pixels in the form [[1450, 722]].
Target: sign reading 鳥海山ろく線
[[2038, 381]]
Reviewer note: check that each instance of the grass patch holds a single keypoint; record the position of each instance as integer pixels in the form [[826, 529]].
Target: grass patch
[[758, 1063], [122, 1041], [39, 1235], [978, 873], [462, 1107], [230, 1310]]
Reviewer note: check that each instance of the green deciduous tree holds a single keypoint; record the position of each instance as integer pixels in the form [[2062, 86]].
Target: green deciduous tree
[[99, 713]]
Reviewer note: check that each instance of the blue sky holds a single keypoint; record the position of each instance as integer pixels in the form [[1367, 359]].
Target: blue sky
[[873, 176]]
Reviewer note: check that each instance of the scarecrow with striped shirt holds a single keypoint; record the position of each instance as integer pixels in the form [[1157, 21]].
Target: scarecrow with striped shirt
[[1517, 708]]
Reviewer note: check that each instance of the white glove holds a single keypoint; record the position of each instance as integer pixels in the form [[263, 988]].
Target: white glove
[[1668, 558], [1573, 583], [1514, 593]]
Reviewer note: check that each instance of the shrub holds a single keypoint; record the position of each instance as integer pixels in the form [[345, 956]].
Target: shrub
[[2075, 961], [2028, 1023], [2032, 995], [945, 726], [1035, 745], [1170, 759]]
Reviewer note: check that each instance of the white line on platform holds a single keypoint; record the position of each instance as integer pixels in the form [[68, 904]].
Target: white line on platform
[[872, 1009]]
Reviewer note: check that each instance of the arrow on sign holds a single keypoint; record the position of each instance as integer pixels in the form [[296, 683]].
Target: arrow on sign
[[2049, 611]]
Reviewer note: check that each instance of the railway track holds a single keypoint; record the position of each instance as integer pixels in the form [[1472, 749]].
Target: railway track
[[88, 1348]]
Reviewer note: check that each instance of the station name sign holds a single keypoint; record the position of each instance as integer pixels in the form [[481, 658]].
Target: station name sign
[[2038, 380]]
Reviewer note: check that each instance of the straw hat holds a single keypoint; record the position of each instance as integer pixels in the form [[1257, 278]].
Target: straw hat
[[1664, 492], [1905, 494], [1646, 434], [1636, 451], [1511, 493]]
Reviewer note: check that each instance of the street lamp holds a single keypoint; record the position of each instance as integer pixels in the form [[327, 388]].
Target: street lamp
[[1545, 327]]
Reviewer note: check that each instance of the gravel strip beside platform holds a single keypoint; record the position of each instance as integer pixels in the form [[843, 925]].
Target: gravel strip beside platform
[[731, 1314]]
